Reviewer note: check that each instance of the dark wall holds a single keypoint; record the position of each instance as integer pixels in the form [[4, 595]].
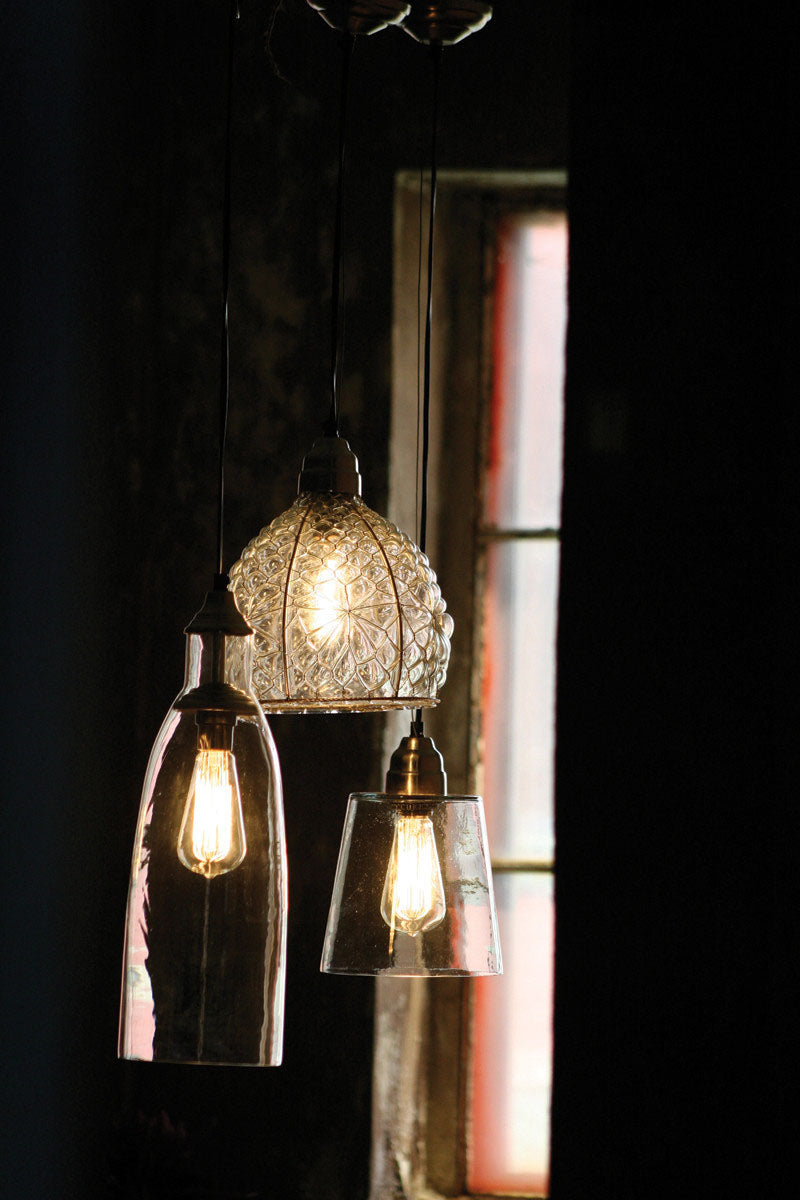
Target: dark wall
[[677, 761], [676, 840], [113, 121]]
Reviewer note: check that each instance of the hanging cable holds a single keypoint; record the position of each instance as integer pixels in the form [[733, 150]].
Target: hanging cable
[[417, 726], [420, 218], [331, 427], [224, 386]]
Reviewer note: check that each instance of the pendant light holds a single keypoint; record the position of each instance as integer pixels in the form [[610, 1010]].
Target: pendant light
[[205, 938], [413, 889], [445, 22], [347, 612]]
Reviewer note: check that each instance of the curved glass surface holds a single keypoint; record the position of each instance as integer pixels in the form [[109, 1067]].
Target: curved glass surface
[[205, 940], [346, 610], [413, 891]]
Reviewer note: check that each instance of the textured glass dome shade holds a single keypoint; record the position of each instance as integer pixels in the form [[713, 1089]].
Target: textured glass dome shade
[[205, 939], [413, 890], [347, 612]]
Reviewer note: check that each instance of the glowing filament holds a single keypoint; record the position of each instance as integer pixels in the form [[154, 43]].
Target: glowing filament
[[212, 838], [413, 894], [326, 609]]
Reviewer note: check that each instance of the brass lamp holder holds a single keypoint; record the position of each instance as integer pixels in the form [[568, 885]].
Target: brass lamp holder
[[416, 768], [330, 466]]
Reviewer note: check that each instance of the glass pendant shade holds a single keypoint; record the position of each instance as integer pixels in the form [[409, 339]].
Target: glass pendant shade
[[347, 612], [413, 891], [205, 939]]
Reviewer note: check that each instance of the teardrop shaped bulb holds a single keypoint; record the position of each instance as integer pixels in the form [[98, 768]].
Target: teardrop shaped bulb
[[212, 840], [413, 892]]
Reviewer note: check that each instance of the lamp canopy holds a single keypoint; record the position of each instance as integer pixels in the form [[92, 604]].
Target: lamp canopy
[[413, 890]]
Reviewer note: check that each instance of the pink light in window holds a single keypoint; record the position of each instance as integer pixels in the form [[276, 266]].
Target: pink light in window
[[512, 1026], [512, 1048]]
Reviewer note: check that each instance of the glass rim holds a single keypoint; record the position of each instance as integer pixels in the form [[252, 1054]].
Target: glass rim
[[401, 799]]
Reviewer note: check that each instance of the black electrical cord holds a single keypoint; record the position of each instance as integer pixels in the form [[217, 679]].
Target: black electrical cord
[[224, 389], [417, 725], [436, 57], [331, 426]]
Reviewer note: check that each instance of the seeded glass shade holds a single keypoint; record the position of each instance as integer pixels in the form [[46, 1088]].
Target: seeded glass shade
[[413, 890], [205, 939], [347, 612]]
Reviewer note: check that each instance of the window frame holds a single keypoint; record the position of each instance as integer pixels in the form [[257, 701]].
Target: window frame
[[423, 1026]]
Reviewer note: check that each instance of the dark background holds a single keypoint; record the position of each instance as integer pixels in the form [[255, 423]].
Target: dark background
[[676, 751]]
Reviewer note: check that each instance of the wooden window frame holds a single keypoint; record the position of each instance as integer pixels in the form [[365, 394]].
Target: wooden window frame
[[423, 1026]]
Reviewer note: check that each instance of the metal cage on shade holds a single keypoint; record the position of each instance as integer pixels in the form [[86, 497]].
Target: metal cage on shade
[[347, 612]]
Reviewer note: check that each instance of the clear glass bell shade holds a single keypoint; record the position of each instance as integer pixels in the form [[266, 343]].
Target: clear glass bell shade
[[347, 612], [413, 892], [205, 940]]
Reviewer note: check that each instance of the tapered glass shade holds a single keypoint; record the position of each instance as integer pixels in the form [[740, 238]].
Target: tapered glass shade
[[427, 911], [205, 939], [413, 890], [347, 612]]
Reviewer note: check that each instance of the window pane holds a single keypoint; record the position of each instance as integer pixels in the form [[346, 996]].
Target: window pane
[[524, 479], [512, 1058], [518, 696]]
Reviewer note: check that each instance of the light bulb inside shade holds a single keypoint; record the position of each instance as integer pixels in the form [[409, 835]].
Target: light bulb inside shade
[[347, 612], [413, 892], [205, 957], [212, 839], [326, 615]]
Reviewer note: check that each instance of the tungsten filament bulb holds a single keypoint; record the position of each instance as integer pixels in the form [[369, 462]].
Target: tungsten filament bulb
[[413, 889]]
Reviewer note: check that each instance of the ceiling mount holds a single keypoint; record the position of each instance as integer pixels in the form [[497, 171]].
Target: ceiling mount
[[361, 16], [446, 21]]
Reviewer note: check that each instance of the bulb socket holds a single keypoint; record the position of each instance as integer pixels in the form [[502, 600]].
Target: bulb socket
[[215, 730], [416, 769], [330, 466]]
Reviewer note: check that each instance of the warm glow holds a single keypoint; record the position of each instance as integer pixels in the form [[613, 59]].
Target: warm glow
[[212, 838], [413, 894], [327, 611], [346, 610]]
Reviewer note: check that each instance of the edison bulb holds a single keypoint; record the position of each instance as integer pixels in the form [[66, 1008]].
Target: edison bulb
[[212, 838], [413, 893]]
